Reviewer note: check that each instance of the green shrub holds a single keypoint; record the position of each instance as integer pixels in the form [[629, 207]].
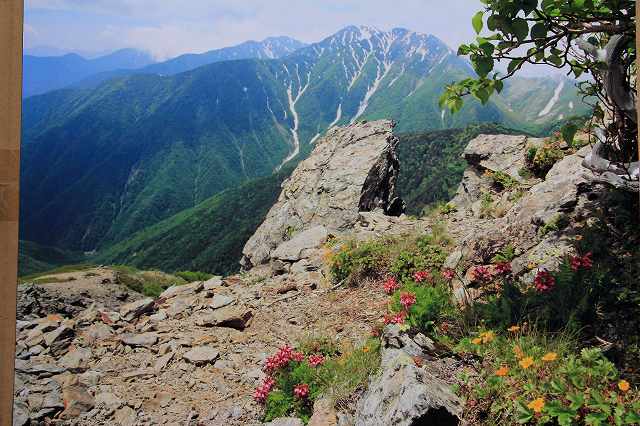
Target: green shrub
[[544, 159], [505, 254], [337, 378], [530, 378], [355, 261], [433, 304], [501, 180], [192, 276]]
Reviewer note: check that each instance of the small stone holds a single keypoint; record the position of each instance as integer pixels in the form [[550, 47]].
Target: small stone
[[126, 416], [220, 301], [76, 360], [90, 378], [77, 399], [159, 316], [140, 339], [201, 355], [232, 317], [135, 309], [191, 288], [324, 414], [109, 400], [213, 283], [59, 339], [97, 332], [162, 362]]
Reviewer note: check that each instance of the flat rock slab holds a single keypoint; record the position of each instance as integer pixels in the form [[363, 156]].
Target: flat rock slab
[[133, 310], [213, 283], [76, 360], [298, 247], [182, 290], [232, 317], [201, 355], [139, 339], [220, 301]]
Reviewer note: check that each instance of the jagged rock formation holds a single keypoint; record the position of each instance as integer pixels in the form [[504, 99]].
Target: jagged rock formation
[[352, 169], [535, 216]]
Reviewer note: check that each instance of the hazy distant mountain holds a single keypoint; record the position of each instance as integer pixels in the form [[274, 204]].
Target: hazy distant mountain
[[112, 160], [269, 48], [43, 74]]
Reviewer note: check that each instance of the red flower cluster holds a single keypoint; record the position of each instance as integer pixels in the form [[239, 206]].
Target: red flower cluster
[[578, 262], [282, 358], [391, 285], [395, 318], [481, 274], [503, 268], [544, 281], [262, 392], [407, 300], [448, 274], [316, 360], [422, 276], [301, 391]]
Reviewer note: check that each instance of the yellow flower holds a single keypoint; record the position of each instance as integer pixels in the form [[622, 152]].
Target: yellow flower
[[536, 405], [578, 237], [365, 349], [502, 371], [518, 351], [623, 385], [526, 362], [550, 356], [487, 336], [514, 328], [476, 341]]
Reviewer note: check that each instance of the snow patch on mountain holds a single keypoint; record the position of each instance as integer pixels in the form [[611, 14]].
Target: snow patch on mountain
[[554, 99]]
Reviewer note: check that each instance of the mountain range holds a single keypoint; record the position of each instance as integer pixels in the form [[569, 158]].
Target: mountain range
[[114, 158], [43, 74]]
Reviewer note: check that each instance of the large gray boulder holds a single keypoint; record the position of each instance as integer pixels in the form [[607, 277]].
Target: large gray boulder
[[405, 394], [352, 169]]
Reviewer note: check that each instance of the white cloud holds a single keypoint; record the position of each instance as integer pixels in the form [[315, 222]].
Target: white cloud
[[171, 27]]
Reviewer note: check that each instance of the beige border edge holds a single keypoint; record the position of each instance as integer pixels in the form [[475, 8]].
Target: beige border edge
[[11, 18]]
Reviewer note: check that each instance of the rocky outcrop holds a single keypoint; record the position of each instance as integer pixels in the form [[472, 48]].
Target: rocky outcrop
[[352, 169], [406, 393]]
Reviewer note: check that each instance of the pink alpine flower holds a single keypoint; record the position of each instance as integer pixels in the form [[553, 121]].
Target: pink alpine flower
[[395, 318], [422, 276], [262, 391], [297, 356], [578, 262], [481, 274], [544, 281], [316, 360], [301, 391], [503, 268], [407, 300], [280, 359], [391, 285], [448, 274]]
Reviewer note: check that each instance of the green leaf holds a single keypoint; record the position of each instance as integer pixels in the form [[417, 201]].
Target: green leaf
[[476, 21], [539, 30], [499, 85], [515, 63], [520, 28], [483, 66]]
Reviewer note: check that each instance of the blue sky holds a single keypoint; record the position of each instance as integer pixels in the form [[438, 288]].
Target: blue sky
[[167, 28]]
